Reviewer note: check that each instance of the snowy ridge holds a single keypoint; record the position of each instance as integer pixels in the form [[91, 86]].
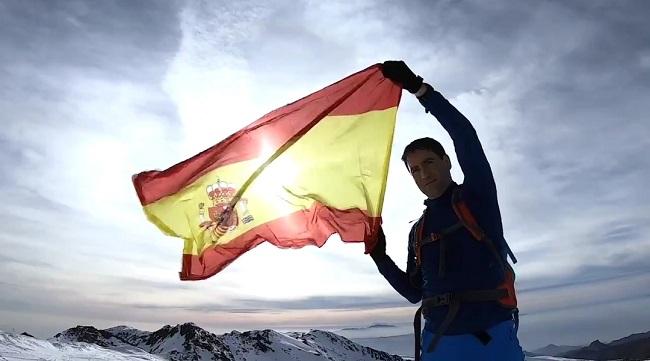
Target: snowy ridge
[[91, 335], [341, 348], [186, 342], [20, 347], [130, 335]]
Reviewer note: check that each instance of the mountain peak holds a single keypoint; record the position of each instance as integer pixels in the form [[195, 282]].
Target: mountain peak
[[370, 327], [259, 340], [633, 347], [79, 333], [92, 335], [555, 350], [596, 344], [185, 341]]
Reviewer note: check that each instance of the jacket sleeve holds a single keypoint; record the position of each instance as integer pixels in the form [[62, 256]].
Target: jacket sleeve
[[471, 157], [399, 279]]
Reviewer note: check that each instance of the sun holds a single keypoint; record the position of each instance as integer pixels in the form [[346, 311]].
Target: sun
[[278, 177]]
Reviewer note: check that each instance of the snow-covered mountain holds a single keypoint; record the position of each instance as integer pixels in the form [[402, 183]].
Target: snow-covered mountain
[[189, 342], [183, 342], [21, 347], [91, 335], [186, 342]]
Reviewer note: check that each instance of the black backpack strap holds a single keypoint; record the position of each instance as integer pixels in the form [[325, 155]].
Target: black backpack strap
[[442, 239], [417, 234], [417, 330], [511, 254], [413, 242]]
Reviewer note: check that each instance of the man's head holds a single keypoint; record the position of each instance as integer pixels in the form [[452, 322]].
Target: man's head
[[429, 165]]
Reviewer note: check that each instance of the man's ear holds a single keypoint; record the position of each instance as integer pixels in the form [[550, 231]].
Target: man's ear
[[447, 161]]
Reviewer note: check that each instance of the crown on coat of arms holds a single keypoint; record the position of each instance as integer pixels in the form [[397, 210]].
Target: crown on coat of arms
[[221, 192]]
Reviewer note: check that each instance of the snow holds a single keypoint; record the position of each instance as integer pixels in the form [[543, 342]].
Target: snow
[[128, 334], [291, 342], [190, 342], [17, 347]]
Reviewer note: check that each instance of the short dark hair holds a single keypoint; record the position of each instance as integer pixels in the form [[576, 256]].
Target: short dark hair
[[423, 144]]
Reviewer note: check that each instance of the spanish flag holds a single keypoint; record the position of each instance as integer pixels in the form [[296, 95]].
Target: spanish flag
[[294, 177]]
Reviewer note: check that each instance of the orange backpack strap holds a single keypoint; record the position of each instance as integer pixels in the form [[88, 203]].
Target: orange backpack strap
[[508, 284], [421, 240], [415, 241], [467, 218], [465, 215]]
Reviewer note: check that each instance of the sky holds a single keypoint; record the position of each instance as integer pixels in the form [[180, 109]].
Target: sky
[[94, 92]]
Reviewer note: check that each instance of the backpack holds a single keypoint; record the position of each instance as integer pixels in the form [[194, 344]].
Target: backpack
[[504, 293]]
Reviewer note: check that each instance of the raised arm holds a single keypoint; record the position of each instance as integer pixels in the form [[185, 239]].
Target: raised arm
[[471, 157]]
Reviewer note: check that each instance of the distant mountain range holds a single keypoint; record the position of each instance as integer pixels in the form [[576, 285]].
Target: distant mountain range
[[633, 347], [554, 350], [186, 342], [190, 342], [373, 326], [398, 344]]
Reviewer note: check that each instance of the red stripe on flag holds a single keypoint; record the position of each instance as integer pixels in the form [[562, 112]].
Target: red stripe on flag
[[318, 222]]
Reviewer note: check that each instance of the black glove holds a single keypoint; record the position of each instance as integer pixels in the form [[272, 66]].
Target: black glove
[[380, 247], [397, 71]]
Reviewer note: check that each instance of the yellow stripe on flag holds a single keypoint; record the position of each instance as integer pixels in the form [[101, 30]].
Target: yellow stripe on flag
[[342, 162]]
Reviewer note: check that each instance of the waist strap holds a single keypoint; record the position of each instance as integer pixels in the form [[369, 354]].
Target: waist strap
[[453, 300]]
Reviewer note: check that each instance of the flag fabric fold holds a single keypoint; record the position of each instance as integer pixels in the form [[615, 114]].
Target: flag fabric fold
[[294, 177]]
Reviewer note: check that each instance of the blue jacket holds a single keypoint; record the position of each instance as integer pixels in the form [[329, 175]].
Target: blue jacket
[[470, 265]]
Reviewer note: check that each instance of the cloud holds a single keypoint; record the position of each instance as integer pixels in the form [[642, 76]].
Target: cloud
[[317, 302], [93, 94], [545, 113]]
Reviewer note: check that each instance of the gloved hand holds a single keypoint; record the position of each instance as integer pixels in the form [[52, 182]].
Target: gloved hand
[[380, 247], [397, 71]]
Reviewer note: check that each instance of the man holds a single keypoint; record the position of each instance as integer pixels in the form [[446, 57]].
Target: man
[[457, 256]]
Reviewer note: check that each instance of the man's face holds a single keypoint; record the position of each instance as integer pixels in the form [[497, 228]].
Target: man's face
[[431, 173]]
